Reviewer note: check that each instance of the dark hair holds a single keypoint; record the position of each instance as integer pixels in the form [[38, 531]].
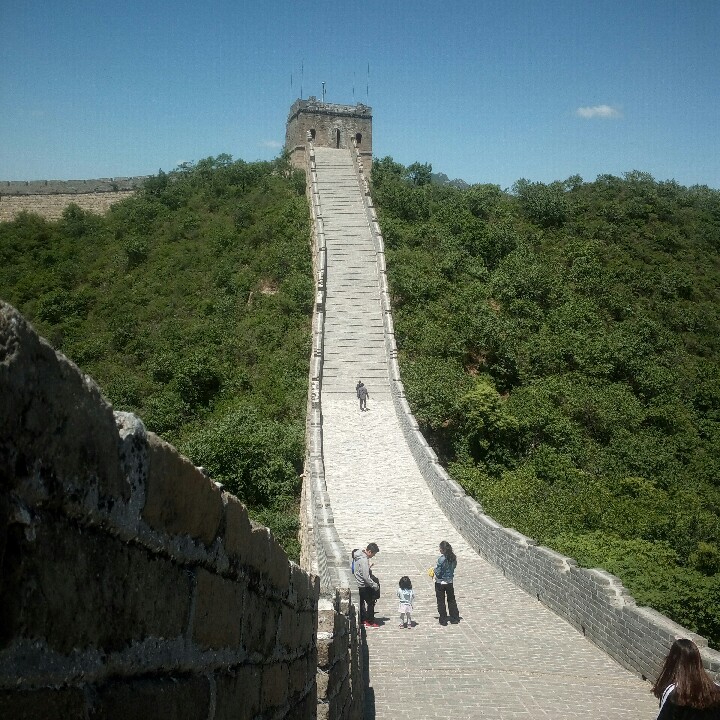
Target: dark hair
[[405, 583], [693, 686], [372, 547], [447, 551]]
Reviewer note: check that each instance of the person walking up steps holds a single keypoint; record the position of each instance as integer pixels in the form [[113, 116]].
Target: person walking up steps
[[368, 585], [444, 574], [406, 596], [362, 392]]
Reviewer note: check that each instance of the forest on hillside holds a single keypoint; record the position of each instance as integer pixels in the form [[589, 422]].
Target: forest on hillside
[[560, 347], [189, 304]]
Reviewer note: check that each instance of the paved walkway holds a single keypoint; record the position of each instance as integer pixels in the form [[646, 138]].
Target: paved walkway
[[509, 657]]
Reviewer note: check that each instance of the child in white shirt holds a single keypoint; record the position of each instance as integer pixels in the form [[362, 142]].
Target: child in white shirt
[[406, 596]]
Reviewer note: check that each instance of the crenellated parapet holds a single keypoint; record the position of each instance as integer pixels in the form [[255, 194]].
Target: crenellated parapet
[[49, 198], [130, 582], [71, 187]]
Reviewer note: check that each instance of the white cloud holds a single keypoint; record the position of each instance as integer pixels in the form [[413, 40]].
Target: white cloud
[[598, 111], [271, 144]]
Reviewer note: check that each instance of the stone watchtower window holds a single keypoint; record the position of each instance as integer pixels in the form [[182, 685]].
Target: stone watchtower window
[[358, 138], [312, 133], [337, 138]]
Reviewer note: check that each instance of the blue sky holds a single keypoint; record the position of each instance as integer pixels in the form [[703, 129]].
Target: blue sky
[[485, 91]]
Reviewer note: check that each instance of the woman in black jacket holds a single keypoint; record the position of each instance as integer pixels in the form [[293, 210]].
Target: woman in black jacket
[[685, 690]]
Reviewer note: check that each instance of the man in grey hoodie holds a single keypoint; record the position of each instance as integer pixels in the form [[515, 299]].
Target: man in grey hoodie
[[368, 586], [362, 392]]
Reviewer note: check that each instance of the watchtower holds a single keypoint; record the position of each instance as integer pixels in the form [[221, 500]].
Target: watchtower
[[328, 125]]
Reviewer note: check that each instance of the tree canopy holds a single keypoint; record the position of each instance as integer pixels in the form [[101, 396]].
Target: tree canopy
[[189, 304], [559, 345]]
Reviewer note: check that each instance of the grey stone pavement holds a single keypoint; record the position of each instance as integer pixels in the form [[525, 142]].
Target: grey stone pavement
[[510, 657]]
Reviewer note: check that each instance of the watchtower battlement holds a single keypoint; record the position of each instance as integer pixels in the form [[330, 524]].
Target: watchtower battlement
[[328, 125]]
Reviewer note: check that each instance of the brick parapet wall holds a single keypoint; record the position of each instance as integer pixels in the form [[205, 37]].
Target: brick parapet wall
[[70, 187], [130, 584], [340, 681], [49, 198], [593, 601], [52, 207]]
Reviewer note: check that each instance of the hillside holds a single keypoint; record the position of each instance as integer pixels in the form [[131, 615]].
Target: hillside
[[189, 304], [560, 348]]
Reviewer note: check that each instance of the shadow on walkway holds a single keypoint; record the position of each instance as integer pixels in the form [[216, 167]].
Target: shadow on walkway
[[369, 692]]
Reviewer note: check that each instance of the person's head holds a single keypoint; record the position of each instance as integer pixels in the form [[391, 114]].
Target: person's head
[[447, 551], [372, 550], [683, 666], [405, 583]]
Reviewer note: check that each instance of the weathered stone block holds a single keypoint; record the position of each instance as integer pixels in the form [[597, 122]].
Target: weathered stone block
[[237, 529], [325, 650], [218, 611], [80, 588], [238, 694], [53, 419], [274, 685], [306, 623], [180, 499], [301, 673], [323, 681], [305, 709], [259, 624], [253, 621], [278, 566], [289, 633], [326, 620], [169, 698], [339, 673], [45, 703], [259, 548]]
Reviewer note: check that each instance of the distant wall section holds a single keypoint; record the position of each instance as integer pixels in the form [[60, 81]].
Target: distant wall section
[[49, 198]]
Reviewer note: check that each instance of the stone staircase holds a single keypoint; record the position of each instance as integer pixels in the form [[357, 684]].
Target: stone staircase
[[354, 341]]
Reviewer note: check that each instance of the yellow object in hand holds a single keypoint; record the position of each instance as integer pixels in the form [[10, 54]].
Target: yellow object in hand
[[431, 572]]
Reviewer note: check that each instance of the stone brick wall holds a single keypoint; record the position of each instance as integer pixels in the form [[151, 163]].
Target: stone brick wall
[[48, 198], [340, 681], [593, 601], [131, 586]]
